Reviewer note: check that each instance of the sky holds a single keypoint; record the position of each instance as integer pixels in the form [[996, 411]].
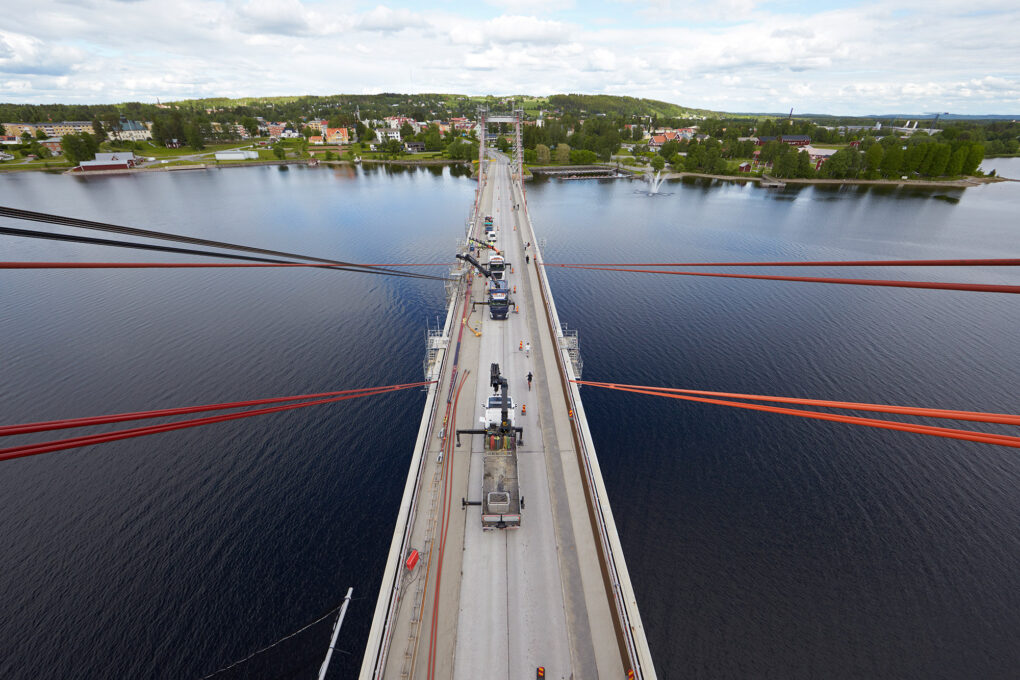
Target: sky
[[848, 58]]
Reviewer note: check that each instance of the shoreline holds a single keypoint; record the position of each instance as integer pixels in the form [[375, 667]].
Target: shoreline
[[638, 173], [921, 184], [244, 164]]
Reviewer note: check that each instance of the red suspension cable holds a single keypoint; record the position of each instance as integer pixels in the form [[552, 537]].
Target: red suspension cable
[[45, 426], [188, 265], [969, 287], [87, 440], [949, 433]]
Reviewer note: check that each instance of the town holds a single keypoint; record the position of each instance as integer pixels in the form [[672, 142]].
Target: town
[[636, 135]]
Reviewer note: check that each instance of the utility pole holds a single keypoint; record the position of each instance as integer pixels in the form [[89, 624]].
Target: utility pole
[[336, 633]]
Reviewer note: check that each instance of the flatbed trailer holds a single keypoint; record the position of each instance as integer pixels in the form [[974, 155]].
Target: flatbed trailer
[[501, 491]]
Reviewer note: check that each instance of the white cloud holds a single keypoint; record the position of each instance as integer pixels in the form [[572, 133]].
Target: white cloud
[[26, 55], [729, 54], [383, 18]]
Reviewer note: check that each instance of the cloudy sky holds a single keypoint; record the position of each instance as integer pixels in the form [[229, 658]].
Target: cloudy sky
[[732, 55]]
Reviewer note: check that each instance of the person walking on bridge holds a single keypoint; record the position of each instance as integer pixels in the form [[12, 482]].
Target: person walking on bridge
[[529, 381]]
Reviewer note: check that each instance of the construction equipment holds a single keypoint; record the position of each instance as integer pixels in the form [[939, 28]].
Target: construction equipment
[[498, 296], [501, 495]]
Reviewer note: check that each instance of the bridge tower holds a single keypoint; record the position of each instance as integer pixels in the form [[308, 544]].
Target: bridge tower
[[517, 167], [483, 113], [514, 117]]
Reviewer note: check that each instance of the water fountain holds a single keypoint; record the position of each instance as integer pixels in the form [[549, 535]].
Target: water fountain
[[654, 183]]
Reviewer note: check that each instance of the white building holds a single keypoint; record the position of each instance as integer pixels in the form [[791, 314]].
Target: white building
[[131, 130], [237, 155]]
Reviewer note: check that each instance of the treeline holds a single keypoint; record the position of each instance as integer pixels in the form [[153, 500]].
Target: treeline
[[615, 106], [891, 159]]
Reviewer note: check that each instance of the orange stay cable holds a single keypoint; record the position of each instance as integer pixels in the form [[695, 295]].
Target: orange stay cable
[[934, 285], [998, 262], [966, 435], [976, 416]]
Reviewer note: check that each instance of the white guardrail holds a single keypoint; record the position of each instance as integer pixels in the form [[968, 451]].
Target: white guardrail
[[378, 644], [623, 592]]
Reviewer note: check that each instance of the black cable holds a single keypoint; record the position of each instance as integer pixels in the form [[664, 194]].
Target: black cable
[[32, 216], [28, 233]]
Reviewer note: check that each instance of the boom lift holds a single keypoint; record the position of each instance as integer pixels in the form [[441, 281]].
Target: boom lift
[[498, 298]]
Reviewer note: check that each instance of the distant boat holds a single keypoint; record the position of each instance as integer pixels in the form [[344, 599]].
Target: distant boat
[[357, 159]]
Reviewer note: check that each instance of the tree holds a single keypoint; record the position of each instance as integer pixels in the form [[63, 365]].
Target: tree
[[307, 131], [669, 149], [542, 154], [658, 162], [975, 155], [805, 168], [892, 162], [562, 153], [462, 150], [250, 125], [956, 161], [97, 130], [584, 157], [79, 147], [194, 136], [873, 159], [369, 136], [279, 151], [406, 131], [939, 159], [41, 134], [785, 166]]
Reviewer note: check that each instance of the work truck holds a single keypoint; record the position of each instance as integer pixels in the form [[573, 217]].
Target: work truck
[[501, 491]]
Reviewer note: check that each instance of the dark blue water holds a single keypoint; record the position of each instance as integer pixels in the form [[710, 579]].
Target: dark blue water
[[759, 545]]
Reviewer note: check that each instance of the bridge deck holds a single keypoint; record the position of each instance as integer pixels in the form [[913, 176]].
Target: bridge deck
[[508, 601]]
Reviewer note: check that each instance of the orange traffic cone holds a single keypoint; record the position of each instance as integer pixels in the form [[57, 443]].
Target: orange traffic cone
[[524, 409], [521, 348], [515, 290]]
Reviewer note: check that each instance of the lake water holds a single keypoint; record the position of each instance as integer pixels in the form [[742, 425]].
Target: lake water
[[759, 545]]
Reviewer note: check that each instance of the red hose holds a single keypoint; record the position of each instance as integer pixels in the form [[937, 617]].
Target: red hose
[[970, 287]]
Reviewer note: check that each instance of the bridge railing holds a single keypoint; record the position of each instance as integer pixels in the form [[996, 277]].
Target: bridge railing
[[630, 630], [378, 645]]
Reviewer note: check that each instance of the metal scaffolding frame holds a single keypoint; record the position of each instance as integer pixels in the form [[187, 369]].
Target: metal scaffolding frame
[[483, 113], [514, 117], [570, 342]]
